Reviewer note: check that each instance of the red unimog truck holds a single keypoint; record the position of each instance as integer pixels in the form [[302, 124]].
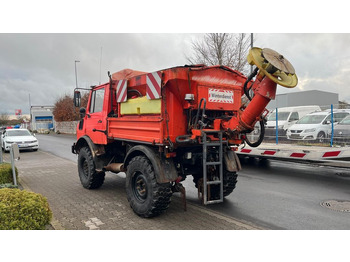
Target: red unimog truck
[[163, 126]]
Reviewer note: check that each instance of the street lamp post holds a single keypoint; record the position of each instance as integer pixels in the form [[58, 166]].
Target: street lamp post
[[251, 46], [76, 77]]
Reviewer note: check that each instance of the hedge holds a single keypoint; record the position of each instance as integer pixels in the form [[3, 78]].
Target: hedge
[[6, 173], [21, 209]]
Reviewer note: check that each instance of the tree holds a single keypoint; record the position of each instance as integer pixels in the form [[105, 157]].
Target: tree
[[64, 109], [4, 119], [222, 49]]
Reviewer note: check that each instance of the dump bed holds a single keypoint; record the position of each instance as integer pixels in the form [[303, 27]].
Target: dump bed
[[152, 108]]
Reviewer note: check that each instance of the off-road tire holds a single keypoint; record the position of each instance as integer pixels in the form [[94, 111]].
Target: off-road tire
[[146, 197], [89, 177], [321, 136], [230, 181]]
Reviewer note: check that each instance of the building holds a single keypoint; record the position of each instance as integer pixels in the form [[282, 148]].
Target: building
[[41, 117], [305, 98]]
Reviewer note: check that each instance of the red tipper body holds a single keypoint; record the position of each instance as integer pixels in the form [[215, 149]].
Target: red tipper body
[[151, 107]]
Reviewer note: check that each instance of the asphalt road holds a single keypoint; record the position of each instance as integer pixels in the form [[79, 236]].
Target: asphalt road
[[277, 195]]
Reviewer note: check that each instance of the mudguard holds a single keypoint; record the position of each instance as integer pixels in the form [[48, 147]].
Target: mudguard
[[232, 161], [164, 168], [96, 151]]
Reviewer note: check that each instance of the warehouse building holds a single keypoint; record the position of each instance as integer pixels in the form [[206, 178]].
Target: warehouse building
[[305, 98], [41, 118]]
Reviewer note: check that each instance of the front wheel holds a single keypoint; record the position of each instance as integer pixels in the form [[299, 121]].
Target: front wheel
[[146, 197], [321, 137], [88, 175]]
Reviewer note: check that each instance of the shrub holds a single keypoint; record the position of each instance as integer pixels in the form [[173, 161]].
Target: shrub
[[21, 209], [6, 173]]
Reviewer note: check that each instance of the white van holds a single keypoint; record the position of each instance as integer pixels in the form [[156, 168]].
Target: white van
[[315, 126], [287, 116]]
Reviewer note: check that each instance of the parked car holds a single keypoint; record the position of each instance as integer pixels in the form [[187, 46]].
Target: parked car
[[287, 116], [22, 137], [342, 131], [315, 126]]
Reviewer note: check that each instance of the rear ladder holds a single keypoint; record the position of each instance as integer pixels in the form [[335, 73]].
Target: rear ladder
[[218, 163]]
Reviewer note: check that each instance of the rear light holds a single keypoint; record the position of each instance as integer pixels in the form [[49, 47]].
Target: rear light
[[169, 155]]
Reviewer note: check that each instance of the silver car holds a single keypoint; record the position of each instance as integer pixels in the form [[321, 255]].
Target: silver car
[[342, 131], [22, 137]]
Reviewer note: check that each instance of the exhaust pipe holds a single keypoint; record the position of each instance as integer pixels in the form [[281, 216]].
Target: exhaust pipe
[[115, 167]]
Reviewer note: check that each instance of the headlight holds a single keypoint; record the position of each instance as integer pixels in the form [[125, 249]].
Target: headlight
[[310, 130], [9, 142]]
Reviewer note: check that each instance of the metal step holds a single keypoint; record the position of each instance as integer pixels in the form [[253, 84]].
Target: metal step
[[219, 164], [213, 163]]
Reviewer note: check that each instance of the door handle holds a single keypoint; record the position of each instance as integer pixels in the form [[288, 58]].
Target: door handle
[[99, 121]]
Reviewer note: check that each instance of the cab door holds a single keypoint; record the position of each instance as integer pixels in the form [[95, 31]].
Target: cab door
[[96, 117]]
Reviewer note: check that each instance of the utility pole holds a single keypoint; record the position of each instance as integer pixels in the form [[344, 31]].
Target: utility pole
[[251, 46], [76, 77], [100, 65], [30, 112]]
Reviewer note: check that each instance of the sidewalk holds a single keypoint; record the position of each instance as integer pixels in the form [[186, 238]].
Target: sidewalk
[[76, 208]]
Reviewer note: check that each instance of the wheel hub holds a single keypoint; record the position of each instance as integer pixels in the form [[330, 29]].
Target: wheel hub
[[139, 187], [85, 168]]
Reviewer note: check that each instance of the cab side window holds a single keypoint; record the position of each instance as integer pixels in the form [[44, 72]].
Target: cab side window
[[294, 117], [339, 116], [97, 97]]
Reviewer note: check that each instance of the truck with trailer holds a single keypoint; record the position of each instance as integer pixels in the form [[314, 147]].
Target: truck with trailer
[[162, 127]]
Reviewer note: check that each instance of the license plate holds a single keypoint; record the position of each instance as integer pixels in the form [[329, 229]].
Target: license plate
[[22, 145]]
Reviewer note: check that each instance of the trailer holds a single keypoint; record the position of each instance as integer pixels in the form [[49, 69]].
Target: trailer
[[320, 155]]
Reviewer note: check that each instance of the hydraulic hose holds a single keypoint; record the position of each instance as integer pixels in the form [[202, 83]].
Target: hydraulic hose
[[261, 136], [250, 77]]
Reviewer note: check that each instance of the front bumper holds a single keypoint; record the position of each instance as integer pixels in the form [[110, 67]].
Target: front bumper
[[301, 136], [270, 133], [22, 146]]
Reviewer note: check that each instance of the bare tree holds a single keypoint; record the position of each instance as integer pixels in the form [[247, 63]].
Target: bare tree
[[221, 49], [4, 119], [64, 109]]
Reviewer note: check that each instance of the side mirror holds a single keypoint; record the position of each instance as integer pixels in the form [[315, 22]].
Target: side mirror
[[82, 112], [77, 98]]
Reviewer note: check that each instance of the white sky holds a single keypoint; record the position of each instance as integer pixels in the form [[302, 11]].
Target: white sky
[[40, 63]]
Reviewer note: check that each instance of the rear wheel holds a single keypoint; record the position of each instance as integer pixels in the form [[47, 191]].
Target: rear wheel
[[89, 177], [229, 184], [146, 197]]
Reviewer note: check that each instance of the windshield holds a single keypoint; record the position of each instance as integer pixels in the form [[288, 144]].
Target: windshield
[[345, 121], [311, 119], [18, 133], [283, 116]]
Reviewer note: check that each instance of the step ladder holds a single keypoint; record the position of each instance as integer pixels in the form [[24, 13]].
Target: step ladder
[[218, 163]]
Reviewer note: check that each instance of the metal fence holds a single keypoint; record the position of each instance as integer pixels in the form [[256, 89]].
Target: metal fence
[[327, 125]]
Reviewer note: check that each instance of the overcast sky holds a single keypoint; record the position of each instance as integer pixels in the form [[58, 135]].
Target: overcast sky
[[42, 66]]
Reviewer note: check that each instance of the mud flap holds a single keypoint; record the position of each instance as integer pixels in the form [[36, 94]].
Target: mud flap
[[232, 161]]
